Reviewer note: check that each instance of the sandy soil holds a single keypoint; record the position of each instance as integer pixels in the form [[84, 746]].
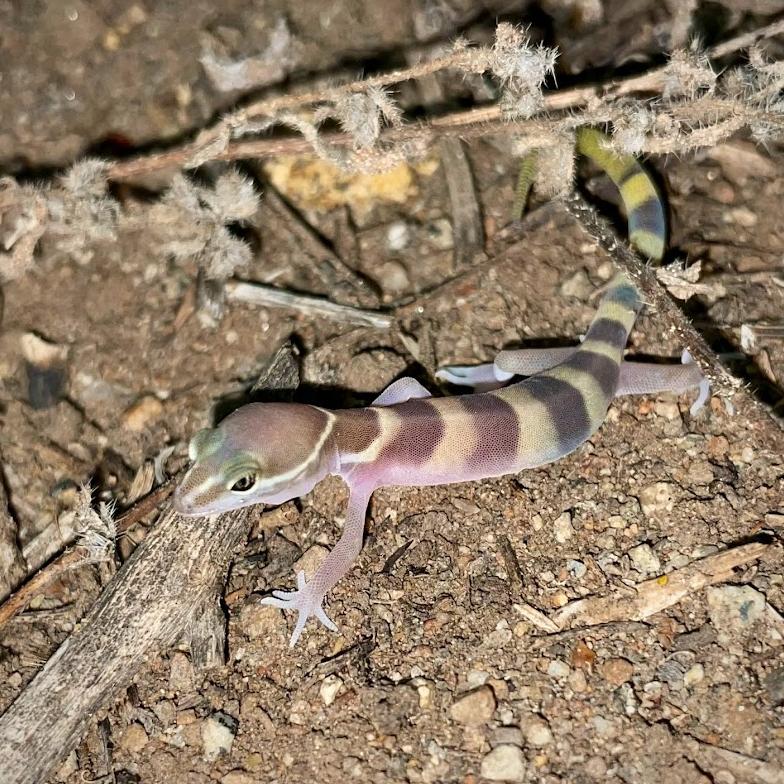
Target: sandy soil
[[436, 675]]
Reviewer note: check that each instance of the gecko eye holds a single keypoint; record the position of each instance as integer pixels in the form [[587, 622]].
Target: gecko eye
[[244, 483]]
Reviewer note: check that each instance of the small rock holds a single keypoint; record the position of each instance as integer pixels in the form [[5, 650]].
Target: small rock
[[238, 777], [133, 739], [696, 640], [700, 473], [538, 734], [741, 216], [617, 671], [596, 768], [142, 413], [504, 763], [740, 160], [329, 689], [558, 669], [506, 736], [656, 499], [667, 409], [577, 285], [693, 675], [734, 609], [475, 708], [217, 734], [604, 727], [577, 681], [644, 559], [398, 235], [439, 232], [181, 674], [393, 277], [576, 569], [774, 686], [466, 507], [562, 528], [165, 712]]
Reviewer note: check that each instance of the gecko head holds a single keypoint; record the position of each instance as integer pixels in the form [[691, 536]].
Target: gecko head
[[261, 453]]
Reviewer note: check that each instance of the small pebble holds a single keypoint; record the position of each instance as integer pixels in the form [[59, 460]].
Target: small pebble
[[734, 609], [180, 673], [475, 708], [538, 734], [504, 763], [506, 736], [310, 561], [439, 232], [398, 235], [562, 528], [258, 621], [577, 681], [644, 559], [217, 735], [656, 499], [694, 675], [617, 671], [577, 285], [133, 739], [558, 669], [143, 413], [596, 768], [329, 689], [667, 409], [576, 569]]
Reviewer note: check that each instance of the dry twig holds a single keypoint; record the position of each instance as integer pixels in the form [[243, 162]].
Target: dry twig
[[269, 296], [655, 595]]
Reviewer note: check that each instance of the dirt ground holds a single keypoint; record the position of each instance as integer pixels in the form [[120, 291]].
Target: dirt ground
[[438, 674]]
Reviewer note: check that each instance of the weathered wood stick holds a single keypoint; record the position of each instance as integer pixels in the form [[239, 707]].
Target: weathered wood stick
[[177, 570]]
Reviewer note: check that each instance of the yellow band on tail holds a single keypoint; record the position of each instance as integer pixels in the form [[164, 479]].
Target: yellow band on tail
[[644, 208]]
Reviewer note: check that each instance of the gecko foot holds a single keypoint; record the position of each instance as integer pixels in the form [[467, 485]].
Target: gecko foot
[[305, 601]]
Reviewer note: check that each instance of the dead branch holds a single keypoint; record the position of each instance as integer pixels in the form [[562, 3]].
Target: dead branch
[[217, 143], [655, 595], [12, 563], [146, 607]]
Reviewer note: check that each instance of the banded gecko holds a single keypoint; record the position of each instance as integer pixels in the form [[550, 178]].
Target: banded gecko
[[272, 452]]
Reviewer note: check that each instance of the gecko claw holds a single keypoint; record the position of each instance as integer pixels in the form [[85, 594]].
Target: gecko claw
[[307, 604]]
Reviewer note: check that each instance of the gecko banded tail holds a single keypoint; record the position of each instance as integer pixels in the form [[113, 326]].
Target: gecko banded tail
[[644, 208]]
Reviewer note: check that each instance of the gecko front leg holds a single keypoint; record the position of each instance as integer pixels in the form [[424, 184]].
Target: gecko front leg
[[309, 597]]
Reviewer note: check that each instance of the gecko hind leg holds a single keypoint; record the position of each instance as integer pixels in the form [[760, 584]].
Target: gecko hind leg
[[518, 362], [643, 378]]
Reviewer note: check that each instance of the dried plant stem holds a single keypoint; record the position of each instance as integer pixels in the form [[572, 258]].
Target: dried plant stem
[[259, 294], [481, 121], [654, 293], [79, 556], [16, 602], [657, 594]]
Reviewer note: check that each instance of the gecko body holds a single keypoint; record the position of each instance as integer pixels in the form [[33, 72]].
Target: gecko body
[[272, 452]]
